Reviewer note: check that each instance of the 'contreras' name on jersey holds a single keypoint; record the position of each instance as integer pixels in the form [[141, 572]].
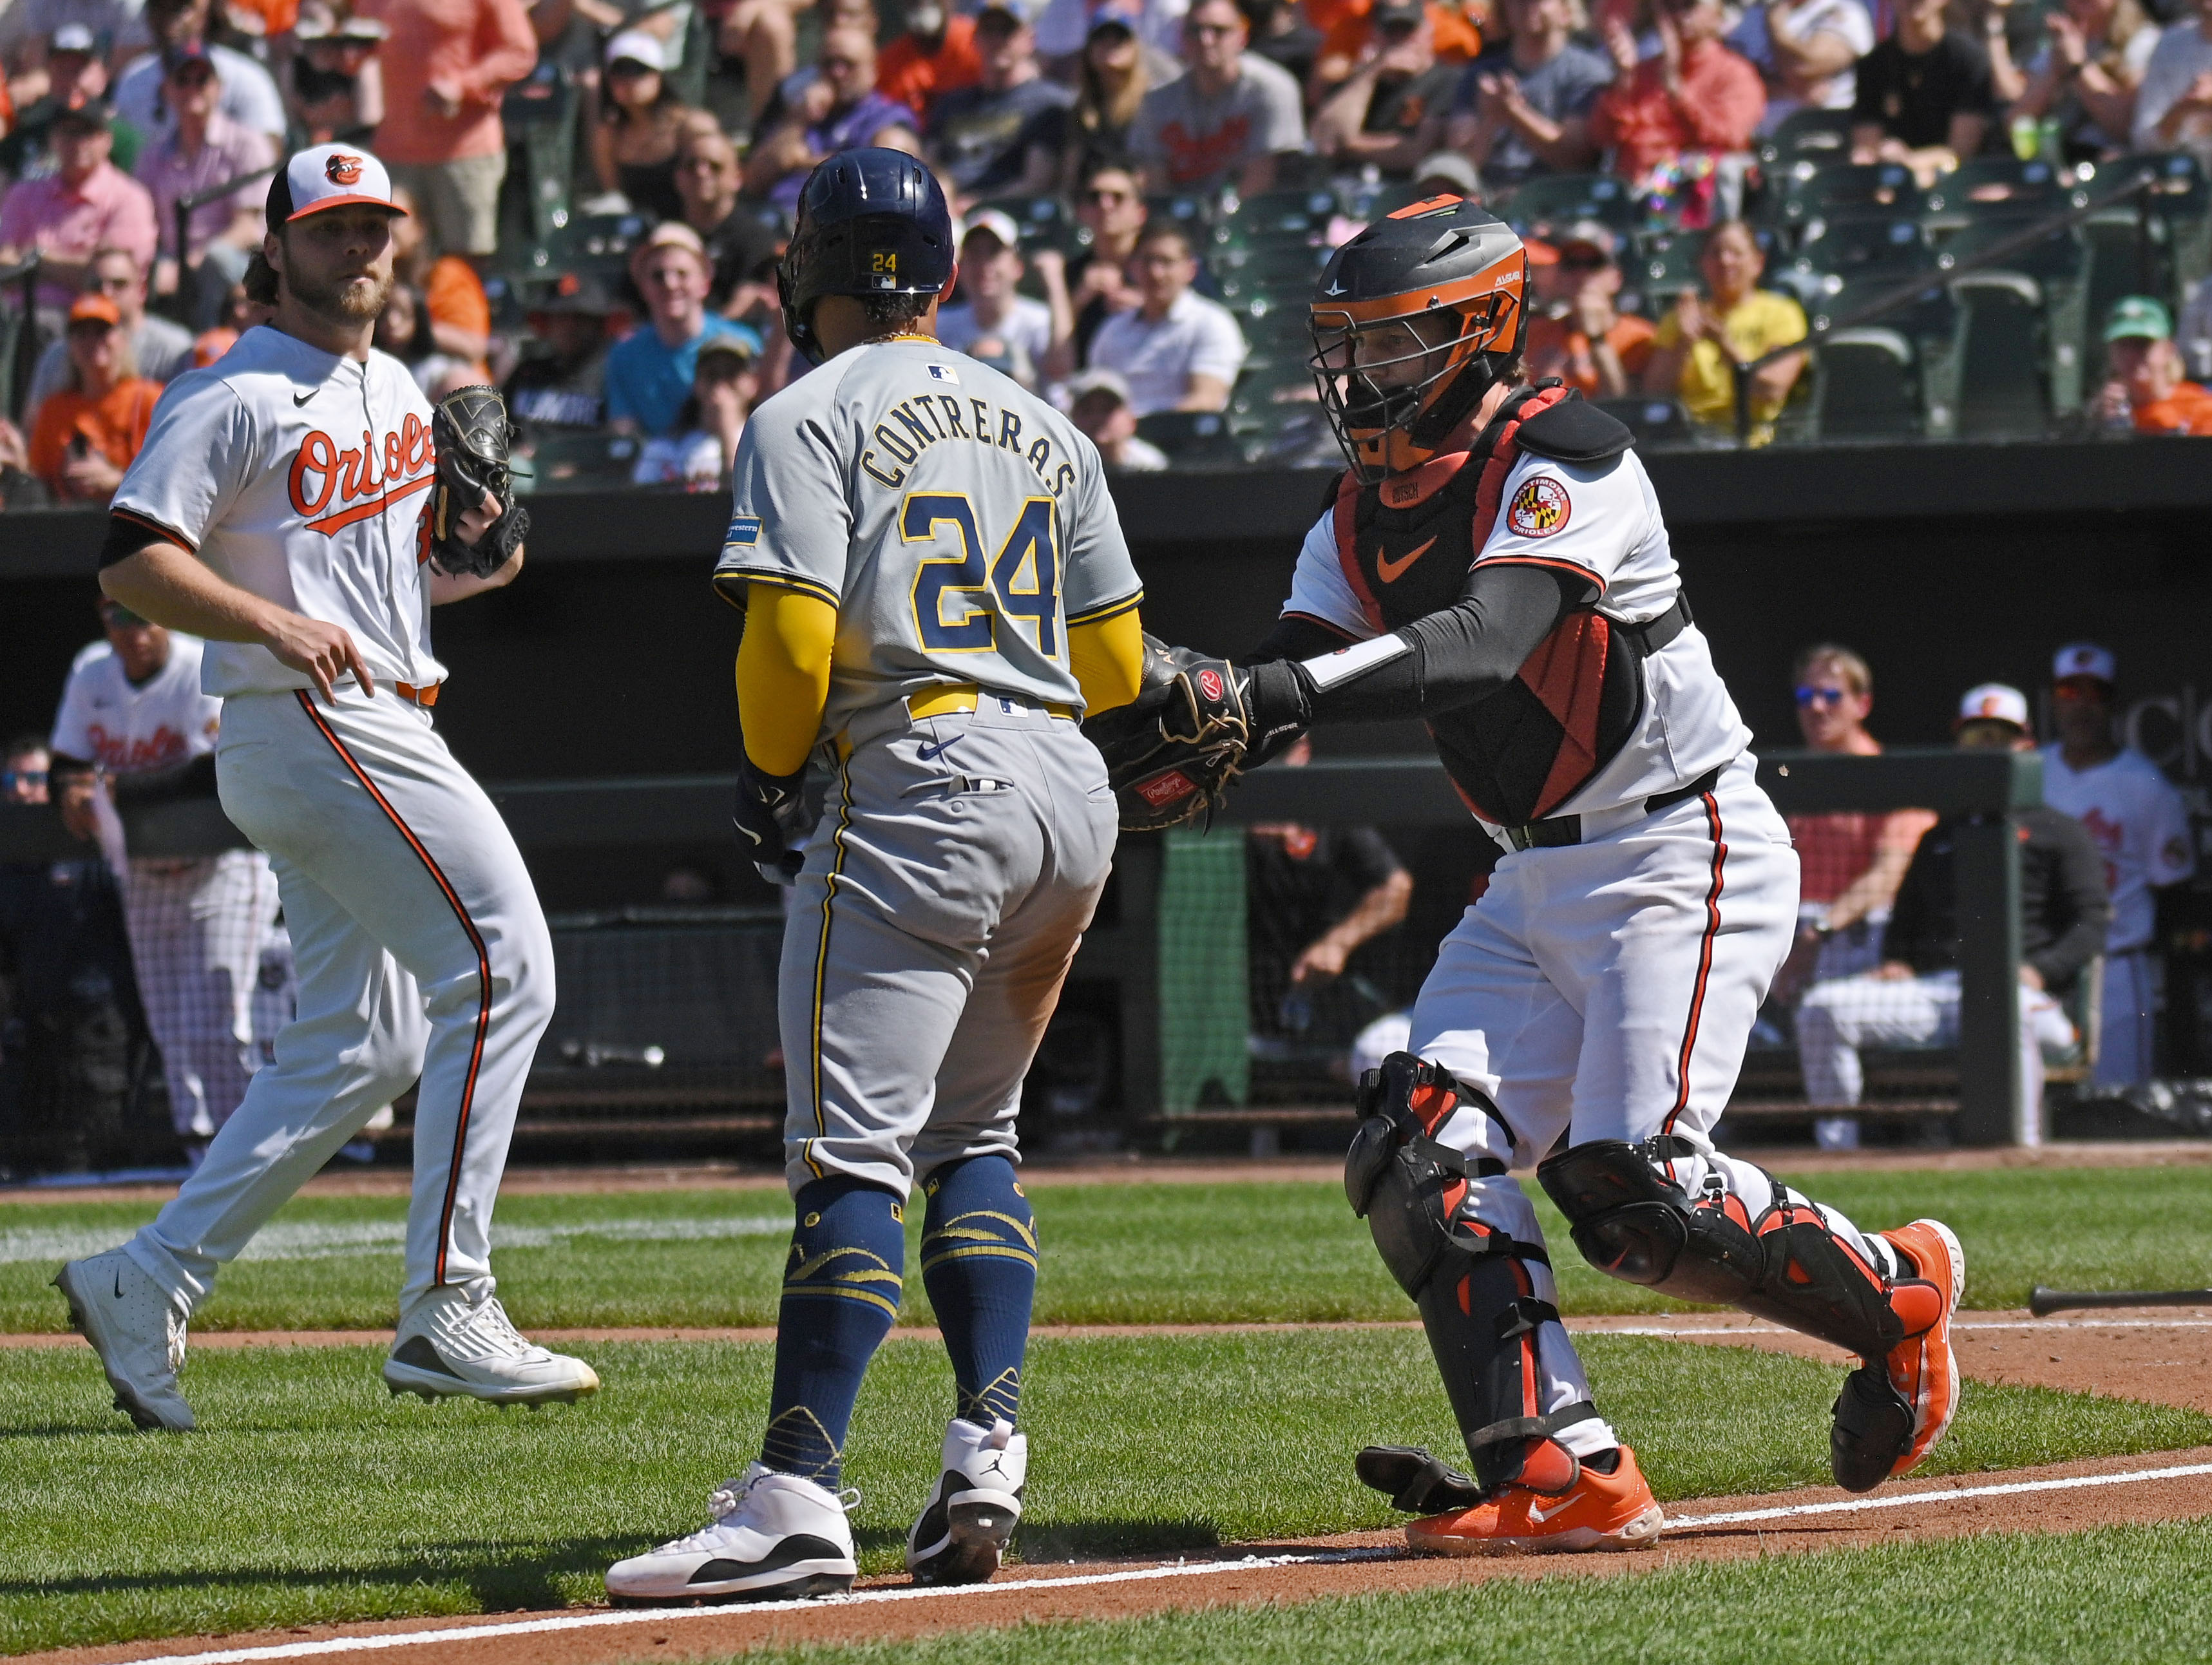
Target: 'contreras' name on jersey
[[913, 425]]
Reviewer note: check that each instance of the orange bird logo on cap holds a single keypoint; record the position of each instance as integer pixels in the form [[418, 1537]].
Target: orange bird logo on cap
[[339, 168]]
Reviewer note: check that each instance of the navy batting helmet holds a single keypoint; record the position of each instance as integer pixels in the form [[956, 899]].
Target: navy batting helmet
[[871, 221]]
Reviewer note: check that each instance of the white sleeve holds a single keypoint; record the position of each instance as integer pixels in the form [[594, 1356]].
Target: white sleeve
[[1218, 348], [1568, 514], [2169, 856], [1319, 589], [70, 737], [198, 452]]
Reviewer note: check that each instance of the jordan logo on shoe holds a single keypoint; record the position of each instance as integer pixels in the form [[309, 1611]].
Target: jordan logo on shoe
[[1541, 1515]]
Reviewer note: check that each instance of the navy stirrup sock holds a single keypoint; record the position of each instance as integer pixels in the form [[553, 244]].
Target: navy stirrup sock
[[840, 1296], [979, 1265]]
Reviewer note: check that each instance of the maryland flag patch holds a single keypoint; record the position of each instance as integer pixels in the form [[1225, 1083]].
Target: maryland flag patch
[[1539, 508]]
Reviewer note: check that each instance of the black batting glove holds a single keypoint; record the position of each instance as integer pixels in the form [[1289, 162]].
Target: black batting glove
[[766, 804], [1278, 706]]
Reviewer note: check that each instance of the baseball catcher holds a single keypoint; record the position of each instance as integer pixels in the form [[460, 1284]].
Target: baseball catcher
[[470, 435], [1494, 562]]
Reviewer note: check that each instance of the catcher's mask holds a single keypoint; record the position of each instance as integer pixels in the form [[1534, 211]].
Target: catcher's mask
[[1413, 321], [871, 221]]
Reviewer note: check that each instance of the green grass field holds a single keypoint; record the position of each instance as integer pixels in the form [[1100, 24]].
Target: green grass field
[[309, 1494], [1114, 1254], [2123, 1596]]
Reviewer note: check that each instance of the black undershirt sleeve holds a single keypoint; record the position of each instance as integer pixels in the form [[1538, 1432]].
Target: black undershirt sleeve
[[1465, 652], [1295, 637]]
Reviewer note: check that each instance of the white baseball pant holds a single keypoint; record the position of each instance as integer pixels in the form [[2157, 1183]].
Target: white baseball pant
[[1836, 1019], [2127, 1038], [1607, 990], [196, 930], [420, 949]]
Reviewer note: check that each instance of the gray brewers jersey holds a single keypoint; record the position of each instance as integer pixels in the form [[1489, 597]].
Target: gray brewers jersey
[[958, 523]]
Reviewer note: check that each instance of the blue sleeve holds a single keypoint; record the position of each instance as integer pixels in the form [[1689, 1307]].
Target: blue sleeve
[[622, 400]]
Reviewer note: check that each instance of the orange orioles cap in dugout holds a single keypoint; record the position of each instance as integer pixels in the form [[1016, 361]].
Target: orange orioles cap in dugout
[[328, 176]]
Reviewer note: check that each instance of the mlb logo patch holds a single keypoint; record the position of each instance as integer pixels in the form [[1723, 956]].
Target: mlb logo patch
[[1541, 507], [945, 372], [745, 529]]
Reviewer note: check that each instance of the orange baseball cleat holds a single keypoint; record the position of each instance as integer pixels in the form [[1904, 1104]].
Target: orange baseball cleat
[[1598, 1511], [1893, 1409]]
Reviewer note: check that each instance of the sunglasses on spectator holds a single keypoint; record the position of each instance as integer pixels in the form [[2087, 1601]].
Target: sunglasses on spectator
[[196, 75], [1097, 196], [1809, 696], [2088, 688], [841, 62], [1209, 31], [110, 285], [12, 778], [631, 67], [701, 164]]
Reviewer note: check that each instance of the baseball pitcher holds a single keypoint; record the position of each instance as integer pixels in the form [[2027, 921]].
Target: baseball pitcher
[[301, 507], [1494, 562], [935, 589]]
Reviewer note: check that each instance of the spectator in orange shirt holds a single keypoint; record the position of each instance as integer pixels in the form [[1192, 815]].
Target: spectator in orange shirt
[[88, 432], [2145, 389], [936, 54], [452, 295], [1576, 332], [1351, 31], [1693, 97], [447, 64]]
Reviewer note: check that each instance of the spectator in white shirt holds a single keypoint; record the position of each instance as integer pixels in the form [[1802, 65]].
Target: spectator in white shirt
[[2173, 108], [1804, 49], [1099, 403], [1177, 349], [1029, 340], [249, 97]]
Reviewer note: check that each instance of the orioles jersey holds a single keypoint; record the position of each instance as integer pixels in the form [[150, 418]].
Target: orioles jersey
[[125, 726], [959, 525], [1621, 702], [299, 476]]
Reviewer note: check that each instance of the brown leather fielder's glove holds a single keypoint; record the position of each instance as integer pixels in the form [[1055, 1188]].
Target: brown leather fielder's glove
[[471, 435], [1171, 752]]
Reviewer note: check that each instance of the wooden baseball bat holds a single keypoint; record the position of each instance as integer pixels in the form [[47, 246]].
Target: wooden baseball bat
[[2043, 1301]]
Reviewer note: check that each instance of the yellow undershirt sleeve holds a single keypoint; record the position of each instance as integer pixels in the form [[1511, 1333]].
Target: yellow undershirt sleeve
[[783, 675], [1109, 658]]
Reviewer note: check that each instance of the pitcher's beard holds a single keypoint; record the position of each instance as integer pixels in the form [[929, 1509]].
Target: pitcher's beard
[[343, 301]]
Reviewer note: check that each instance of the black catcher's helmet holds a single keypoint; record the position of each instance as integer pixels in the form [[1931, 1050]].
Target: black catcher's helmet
[[1452, 274], [871, 221]]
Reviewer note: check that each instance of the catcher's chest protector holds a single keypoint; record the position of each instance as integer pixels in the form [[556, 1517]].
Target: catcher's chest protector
[[1405, 545]]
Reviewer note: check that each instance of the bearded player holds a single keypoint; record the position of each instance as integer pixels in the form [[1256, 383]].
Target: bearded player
[[1494, 562]]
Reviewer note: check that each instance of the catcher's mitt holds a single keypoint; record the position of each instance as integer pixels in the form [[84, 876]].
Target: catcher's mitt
[[1171, 752], [470, 434]]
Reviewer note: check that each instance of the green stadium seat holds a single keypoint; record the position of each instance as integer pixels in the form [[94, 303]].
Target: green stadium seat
[[1554, 200], [577, 462], [2003, 391], [1807, 190], [1815, 135], [2000, 186], [540, 116], [1927, 319], [1193, 439], [1854, 246], [1277, 217], [1285, 274], [1045, 221], [1866, 386], [2057, 265]]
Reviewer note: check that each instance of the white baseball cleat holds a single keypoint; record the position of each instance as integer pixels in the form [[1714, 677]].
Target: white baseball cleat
[[772, 1537], [448, 1345], [972, 1508], [137, 1328]]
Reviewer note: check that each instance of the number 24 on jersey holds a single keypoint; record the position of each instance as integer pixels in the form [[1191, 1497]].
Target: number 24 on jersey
[[959, 598]]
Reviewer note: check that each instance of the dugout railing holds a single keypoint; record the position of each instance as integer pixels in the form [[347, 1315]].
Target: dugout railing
[[666, 1020]]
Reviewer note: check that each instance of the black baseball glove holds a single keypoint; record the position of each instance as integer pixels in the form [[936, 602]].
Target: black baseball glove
[[1196, 723], [768, 817], [471, 435]]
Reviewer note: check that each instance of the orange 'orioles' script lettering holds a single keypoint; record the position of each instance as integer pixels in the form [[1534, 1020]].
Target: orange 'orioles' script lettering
[[332, 488]]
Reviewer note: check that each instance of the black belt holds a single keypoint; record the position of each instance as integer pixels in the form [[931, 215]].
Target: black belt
[[1563, 829]]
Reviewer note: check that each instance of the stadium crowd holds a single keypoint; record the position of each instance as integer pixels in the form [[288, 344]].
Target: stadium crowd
[[1147, 189]]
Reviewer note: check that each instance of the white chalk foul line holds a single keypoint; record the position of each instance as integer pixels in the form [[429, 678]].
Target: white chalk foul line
[[1907, 1499], [1676, 1332], [583, 1621], [586, 1622]]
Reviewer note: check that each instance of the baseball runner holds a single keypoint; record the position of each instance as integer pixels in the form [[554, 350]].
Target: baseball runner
[[1495, 563], [299, 506], [935, 586], [2140, 824], [132, 714]]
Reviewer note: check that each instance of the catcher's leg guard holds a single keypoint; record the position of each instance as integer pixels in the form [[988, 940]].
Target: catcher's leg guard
[[1471, 1282], [1633, 1223]]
